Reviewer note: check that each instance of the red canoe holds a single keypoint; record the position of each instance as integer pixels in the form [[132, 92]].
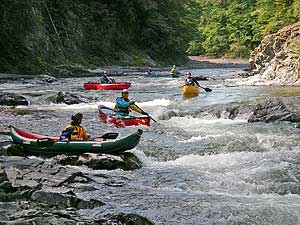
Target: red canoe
[[106, 115], [107, 86]]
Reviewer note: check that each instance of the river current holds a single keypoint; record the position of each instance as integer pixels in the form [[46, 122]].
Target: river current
[[196, 170]]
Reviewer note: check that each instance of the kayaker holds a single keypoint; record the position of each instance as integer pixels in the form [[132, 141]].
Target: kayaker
[[174, 70], [189, 80], [149, 71], [123, 105], [74, 131], [104, 79]]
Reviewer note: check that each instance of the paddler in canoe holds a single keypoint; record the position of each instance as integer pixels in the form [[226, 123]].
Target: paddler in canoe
[[104, 79], [124, 105], [74, 131]]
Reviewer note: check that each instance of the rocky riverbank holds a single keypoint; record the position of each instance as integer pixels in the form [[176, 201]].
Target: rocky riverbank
[[276, 61], [52, 191], [64, 71]]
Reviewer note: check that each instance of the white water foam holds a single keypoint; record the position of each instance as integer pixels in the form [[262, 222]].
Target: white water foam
[[87, 107], [156, 102], [200, 138], [207, 161], [196, 124]]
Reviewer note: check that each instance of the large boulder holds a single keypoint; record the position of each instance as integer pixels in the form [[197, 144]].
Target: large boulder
[[68, 98], [269, 110], [126, 161], [47, 79], [62, 200], [277, 58], [11, 99]]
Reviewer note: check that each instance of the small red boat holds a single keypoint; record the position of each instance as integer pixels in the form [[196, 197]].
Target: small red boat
[[107, 115], [106, 86]]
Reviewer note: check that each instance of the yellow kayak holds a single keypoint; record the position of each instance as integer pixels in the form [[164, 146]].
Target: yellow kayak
[[190, 90]]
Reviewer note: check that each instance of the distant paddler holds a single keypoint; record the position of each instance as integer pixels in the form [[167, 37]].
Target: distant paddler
[[149, 71], [174, 70], [104, 79]]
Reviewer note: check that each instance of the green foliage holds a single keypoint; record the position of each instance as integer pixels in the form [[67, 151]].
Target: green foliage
[[236, 27], [35, 35]]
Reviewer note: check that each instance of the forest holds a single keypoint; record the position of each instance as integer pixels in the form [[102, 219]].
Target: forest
[[36, 35], [233, 28]]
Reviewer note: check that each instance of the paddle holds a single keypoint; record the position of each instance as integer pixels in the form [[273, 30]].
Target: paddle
[[206, 89], [146, 113], [109, 136], [46, 140]]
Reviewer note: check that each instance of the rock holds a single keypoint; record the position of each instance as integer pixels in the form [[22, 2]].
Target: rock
[[9, 149], [71, 71], [273, 109], [269, 110], [126, 161], [60, 200], [68, 98], [244, 74], [47, 79], [132, 162], [277, 58], [36, 191], [10, 99], [131, 219], [4, 145]]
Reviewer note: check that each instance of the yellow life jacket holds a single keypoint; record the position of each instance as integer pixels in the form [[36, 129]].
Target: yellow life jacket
[[78, 133]]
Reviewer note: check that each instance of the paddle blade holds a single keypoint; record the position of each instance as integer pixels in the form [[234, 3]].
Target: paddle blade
[[110, 136], [207, 89]]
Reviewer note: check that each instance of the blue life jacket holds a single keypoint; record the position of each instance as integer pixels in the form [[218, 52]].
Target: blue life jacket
[[122, 105]]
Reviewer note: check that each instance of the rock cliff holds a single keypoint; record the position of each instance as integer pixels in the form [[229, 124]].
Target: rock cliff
[[277, 58]]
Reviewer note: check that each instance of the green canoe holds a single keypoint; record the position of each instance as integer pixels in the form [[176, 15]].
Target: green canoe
[[44, 145]]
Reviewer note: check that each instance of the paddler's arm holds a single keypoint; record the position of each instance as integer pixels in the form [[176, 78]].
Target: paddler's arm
[[66, 134], [134, 108], [196, 82], [137, 109]]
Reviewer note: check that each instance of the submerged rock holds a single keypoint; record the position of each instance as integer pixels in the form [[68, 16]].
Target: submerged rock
[[12, 99]]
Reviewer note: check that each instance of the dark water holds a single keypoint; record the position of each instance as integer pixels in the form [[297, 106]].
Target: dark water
[[196, 170]]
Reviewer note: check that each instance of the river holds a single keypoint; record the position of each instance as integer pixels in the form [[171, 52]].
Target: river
[[196, 170]]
